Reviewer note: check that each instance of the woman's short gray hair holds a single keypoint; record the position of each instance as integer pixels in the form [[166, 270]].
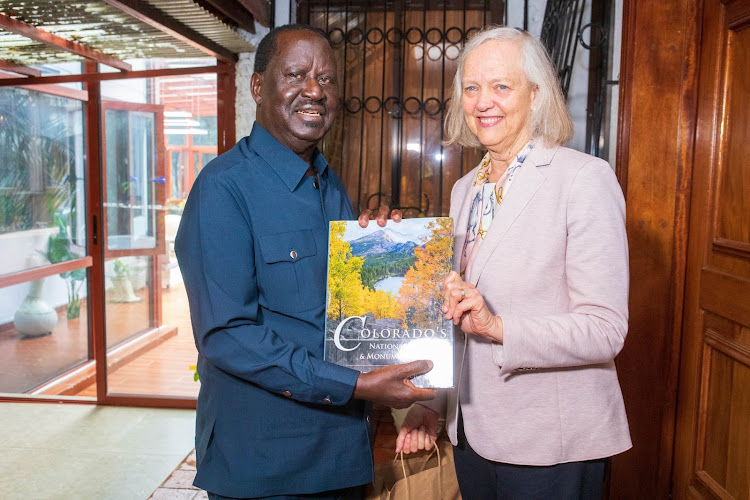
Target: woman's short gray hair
[[550, 118]]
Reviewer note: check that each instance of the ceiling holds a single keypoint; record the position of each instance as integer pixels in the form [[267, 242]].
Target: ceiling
[[34, 32]]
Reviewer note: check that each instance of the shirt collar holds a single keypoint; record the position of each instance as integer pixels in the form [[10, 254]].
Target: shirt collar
[[287, 165]]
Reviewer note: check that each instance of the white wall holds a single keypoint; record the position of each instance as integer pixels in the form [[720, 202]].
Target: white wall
[[244, 104]]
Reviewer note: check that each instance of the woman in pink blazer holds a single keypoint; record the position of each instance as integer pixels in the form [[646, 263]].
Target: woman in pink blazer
[[539, 288]]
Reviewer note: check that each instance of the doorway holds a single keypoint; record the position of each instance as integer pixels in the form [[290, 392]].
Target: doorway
[[90, 211]]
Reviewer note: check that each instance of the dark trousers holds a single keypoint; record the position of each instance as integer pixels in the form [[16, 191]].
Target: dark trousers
[[355, 493], [482, 479]]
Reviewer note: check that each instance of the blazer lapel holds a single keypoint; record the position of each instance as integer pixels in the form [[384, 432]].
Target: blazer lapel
[[527, 181]]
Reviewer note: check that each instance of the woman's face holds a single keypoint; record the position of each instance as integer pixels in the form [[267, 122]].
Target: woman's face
[[497, 97]]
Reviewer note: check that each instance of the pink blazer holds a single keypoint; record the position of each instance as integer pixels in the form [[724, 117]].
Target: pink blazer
[[554, 266]]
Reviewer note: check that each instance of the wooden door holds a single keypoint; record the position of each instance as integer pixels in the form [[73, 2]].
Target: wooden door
[[712, 441]]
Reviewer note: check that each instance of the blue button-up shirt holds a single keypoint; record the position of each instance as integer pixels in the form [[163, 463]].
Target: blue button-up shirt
[[273, 417]]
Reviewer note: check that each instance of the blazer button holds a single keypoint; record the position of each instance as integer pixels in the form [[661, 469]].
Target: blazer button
[[293, 254], [287, 394], [327, 401]]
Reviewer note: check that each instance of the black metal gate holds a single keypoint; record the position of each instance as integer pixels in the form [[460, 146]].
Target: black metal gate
[[562, 32], [397, 60]]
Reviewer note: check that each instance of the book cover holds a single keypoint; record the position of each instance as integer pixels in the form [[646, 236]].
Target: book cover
[[384, 297]]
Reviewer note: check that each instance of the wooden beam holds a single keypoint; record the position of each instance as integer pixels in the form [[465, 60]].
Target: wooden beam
[[260, 9], [44, 271], [152, 16], [230, 12], [58, 90], [20, 28], [19, 69], [225, 108], [102, 77]]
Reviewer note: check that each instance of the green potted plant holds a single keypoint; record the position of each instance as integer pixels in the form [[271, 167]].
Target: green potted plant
[[122, 287], [58, 250], [122, 270]]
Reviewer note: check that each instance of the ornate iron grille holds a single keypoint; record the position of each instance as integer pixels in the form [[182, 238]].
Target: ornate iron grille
[[561, 25], [562, 32], [397, 60]]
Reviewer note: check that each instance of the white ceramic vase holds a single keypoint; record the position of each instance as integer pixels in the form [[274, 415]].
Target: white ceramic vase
[[122, 290], [34, 316]]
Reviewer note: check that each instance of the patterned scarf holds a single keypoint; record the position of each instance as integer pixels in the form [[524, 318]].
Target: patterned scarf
[[486, 198]]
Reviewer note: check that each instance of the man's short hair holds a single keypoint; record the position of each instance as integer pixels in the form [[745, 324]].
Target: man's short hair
[[267, 46]]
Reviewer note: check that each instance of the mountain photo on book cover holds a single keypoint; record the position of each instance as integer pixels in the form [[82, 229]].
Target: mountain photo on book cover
[[385, 296]]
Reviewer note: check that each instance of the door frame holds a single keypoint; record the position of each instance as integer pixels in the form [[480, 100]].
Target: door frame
[[95, 257], [656, 135]]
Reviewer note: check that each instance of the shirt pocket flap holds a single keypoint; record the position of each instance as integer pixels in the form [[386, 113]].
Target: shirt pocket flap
[[287, 247]]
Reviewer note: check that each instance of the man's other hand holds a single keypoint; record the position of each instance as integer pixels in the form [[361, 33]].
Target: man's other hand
[[366, 216]]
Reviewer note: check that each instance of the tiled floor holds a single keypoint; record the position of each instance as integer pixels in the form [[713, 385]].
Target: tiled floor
[[73, 451], [179, 484], [60, 452]]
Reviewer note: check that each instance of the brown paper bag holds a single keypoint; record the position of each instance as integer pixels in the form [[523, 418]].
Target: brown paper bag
[[423, 477]]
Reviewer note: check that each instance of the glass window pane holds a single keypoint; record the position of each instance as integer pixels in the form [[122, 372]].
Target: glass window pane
[[42, 183], [209, 139], [131, 178], [128, 292], [177, 140], [207, 157], [149, 337], [176, 173], [149, 354], [44, 332], [60, 69]]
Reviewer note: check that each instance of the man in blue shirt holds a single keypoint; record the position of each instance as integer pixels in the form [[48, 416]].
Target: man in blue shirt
[[274, 419]]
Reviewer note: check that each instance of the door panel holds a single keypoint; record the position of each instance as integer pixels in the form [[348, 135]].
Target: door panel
[[45, 255], [712, 443], [134, 178], [134, 196]]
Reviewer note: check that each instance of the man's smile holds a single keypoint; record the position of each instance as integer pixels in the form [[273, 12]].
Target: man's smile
[[311, 111]]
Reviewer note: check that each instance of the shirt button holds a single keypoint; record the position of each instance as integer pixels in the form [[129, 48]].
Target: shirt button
[[287, 394], [293, 254]]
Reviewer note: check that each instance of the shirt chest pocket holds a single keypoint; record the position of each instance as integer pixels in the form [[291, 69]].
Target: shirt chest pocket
[[291, 276]]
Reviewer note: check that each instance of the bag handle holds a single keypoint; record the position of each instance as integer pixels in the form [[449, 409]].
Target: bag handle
[[435, 449]]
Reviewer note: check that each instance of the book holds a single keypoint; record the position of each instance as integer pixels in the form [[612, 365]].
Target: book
[[384, 296]]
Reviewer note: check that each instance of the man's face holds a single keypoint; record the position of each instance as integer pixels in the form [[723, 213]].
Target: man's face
[[298, 93]]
